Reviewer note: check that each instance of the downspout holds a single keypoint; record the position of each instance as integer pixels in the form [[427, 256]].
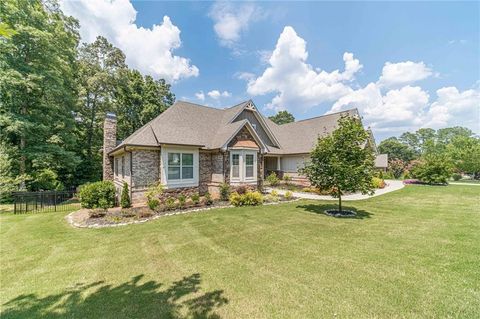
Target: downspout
[[131, 173]]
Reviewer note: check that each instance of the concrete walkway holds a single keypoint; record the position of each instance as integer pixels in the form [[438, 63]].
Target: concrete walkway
[[466, 184], [391, 186]]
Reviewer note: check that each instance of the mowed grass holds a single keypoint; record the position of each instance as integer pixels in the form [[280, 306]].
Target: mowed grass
[[414, 253]]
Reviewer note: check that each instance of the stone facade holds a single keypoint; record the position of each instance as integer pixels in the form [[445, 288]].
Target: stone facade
[[242, 135], [109, 143], [175, 192], [142, 169]]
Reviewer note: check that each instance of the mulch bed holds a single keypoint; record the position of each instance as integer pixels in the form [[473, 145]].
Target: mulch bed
[[135, 215], [343, 213]]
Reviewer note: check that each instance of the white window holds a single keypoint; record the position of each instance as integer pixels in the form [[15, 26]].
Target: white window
[[180, 166], [235, 165], [243, 166]]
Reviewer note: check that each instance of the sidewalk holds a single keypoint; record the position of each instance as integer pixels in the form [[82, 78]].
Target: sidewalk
[[392, 186]]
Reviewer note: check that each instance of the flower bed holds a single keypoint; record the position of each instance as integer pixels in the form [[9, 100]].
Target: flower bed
[[99, 217], [412, 181]]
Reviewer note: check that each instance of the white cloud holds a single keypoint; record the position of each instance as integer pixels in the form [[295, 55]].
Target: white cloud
[[453, 107], [295, 81], [216, 94], [403, 73], [396, 109], [246, 76], [200, 95], [148, 49], [232, 20], [409, 108]]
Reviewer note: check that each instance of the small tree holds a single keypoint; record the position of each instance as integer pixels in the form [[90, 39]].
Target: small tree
[[125, 199], [342, 161]]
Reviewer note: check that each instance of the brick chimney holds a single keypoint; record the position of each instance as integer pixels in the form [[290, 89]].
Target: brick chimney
[[109, 143]]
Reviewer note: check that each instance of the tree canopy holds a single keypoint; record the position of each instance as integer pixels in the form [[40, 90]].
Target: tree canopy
[[282, 117], [342, 161], [54, 95]]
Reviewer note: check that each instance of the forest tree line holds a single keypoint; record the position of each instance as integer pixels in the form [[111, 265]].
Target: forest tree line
[[54, 93], [453, 150]]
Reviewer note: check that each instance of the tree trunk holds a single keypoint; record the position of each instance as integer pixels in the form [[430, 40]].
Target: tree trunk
[[340, 203], [23, 159]]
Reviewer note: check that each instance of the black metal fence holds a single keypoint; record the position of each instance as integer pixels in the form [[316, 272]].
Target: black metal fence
[[44, 201]]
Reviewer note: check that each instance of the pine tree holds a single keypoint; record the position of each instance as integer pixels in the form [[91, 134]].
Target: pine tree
[[125, 197]]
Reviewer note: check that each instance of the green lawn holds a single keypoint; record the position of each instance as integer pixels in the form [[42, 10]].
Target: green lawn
[[414, 253]]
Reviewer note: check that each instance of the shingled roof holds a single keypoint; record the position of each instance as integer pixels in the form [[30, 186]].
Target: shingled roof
[[300, 137], [186, 123]]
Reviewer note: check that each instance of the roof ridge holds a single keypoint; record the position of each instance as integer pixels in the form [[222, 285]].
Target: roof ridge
[[243, 102], [324, 115], [200, 105]]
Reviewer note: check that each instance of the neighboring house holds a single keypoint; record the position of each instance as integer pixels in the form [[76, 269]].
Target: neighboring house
[[194, 148]]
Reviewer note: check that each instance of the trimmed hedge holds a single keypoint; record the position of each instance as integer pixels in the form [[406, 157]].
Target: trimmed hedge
[[97, 195]]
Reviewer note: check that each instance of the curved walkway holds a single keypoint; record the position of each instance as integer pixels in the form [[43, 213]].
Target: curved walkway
[[391, 186]]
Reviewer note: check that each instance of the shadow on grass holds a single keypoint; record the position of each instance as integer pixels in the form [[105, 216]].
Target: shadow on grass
[[182, 299], [321, 208]]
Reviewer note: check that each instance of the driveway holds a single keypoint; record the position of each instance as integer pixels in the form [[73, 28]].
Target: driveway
[[392, 185]]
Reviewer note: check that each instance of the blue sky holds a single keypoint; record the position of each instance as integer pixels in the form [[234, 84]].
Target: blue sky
[[225, 49]]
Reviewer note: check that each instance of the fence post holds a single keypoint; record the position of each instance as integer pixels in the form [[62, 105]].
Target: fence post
[[55, 200]]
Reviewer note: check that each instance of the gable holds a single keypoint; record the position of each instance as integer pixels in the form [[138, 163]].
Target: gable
[[243, 139], [249, 115]]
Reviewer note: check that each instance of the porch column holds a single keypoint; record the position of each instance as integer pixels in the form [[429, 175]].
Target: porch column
[[278, 163]]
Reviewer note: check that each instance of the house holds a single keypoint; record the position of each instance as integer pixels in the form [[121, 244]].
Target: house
[[194, 148]]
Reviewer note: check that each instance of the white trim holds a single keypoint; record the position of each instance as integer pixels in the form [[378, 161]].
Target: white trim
[[193, 182], [242, 166]]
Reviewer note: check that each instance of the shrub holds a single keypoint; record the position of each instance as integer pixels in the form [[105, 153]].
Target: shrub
[[288, 195], [270, 199], [388, 175], [208, 198], [248, 199], [224, 191], [456, 177], [153, 203], [195, 198], [125, 198], [272, 179], [98, 194], [182, 200], [396, 167], [287, 179], [154, 191], [274, 193], [170, 203], [103, 204], [433, 169], [378, 182]]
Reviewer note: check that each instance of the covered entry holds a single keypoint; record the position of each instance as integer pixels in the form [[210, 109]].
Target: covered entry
[[272, 164]]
